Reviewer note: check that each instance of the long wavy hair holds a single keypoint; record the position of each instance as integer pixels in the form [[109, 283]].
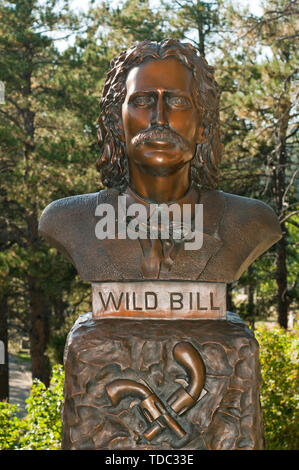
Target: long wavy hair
[[113, 164]]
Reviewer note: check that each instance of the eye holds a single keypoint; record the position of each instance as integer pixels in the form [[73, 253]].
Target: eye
[[178, 101], [143, 100]]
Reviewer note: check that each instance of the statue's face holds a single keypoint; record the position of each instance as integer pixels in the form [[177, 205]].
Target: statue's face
[[160, 121]]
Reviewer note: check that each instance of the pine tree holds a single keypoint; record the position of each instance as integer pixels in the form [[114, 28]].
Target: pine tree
[[34, 155], [258, 110]]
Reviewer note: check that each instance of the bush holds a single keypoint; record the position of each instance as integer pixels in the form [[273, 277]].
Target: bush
[[42, 425], [9, 426], [279, 392], [41, 428]]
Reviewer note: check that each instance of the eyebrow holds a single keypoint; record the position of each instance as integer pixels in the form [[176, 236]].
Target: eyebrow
[[154, 92]]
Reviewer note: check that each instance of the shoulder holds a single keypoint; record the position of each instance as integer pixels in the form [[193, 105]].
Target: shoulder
[[254, 214], [60, 217], [250, 227], [68, 223], [72, 210], [62, 210], [247, 228], [237, 214]]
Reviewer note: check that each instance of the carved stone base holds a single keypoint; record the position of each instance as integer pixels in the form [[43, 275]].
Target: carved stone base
[[225, 415]]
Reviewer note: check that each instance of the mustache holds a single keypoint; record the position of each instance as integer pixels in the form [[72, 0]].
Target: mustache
[[160, 133]]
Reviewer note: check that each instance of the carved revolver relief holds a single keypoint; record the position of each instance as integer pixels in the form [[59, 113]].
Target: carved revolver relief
[[183, 399]]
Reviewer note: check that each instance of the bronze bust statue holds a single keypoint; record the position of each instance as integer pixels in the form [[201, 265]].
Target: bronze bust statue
[[160, 143], [196, 379]]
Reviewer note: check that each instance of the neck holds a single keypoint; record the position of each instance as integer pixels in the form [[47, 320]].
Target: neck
[[157, 188]]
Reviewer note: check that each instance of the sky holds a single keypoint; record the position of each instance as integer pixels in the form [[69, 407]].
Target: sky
[[254, 5], [82, 5]]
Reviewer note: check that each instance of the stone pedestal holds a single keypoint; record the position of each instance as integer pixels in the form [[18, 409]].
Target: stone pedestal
[[226, 415]]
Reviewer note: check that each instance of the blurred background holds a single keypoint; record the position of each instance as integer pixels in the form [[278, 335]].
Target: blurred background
[[54, 55]]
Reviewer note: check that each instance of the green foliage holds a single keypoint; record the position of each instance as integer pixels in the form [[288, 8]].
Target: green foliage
[[128, 22], [195, 21], [279, 392], [42, 425], [41, 428], [9, 426]]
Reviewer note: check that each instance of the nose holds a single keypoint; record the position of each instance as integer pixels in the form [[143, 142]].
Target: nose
[[160, 116]]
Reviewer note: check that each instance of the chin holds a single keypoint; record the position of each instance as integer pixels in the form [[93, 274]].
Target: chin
[[161, 165]]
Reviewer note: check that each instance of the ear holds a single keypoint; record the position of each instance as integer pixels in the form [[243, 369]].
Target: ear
[[201, 139]]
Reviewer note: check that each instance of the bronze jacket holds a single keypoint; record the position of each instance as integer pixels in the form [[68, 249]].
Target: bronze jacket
[[237, 230]]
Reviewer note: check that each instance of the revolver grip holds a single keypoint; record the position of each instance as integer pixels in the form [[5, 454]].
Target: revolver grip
[[183, 399]]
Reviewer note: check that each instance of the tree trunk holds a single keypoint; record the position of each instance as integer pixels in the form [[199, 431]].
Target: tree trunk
[[4, 383], [280, 186], [201, 38], [281, 279], [251, 306], [39, 333], [39, 305]]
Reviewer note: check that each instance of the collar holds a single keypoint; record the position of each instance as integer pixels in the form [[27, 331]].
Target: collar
[[190, 197]]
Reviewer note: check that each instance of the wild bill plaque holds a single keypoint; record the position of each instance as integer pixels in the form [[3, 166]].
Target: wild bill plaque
[[162, 299]]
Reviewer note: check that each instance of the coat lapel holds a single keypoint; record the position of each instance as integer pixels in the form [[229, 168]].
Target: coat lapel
[[189, 264], [125, 254]]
